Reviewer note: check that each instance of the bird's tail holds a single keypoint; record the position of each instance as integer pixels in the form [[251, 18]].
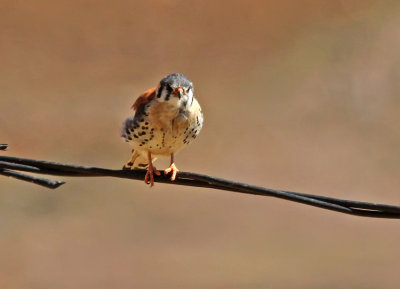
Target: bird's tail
[[137, 161]]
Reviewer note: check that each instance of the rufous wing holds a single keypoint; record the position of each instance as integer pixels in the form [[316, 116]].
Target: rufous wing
[[144, 98]]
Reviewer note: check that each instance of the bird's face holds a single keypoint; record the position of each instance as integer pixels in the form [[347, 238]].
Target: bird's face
[[175, 89]]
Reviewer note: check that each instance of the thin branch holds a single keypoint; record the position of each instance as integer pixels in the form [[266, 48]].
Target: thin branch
[[32, 179], [198, 180], [51, 184]]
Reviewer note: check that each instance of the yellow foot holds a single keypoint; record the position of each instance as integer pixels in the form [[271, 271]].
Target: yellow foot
[[172, 168], [150, 175]]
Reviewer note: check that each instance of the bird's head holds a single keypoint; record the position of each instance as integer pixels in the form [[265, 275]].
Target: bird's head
[[176, 89]]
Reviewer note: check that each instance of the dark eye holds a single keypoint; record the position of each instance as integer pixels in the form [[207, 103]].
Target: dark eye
[[188, 89]]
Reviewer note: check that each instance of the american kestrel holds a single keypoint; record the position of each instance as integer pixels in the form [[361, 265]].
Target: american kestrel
[[167, 118]]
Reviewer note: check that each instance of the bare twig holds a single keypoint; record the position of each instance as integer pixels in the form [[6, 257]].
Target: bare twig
[[32, 179], [197, 180], [23, 177]]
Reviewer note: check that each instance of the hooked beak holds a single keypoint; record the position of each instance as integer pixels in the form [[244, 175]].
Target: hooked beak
[[179, 92]]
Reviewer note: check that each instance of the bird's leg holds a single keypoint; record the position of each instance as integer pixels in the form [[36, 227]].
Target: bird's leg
[[151, 170], [172, 168]]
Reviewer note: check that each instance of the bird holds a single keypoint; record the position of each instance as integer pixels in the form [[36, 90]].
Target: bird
[[167, 118]]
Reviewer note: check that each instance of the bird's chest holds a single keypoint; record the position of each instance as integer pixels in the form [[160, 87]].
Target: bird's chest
[[165, 117], [167, 129]]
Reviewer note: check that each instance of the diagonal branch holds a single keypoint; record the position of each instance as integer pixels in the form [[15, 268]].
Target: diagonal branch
[[9, 164]]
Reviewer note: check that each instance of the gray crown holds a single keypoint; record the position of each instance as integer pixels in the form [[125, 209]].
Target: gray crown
[[175, 80]]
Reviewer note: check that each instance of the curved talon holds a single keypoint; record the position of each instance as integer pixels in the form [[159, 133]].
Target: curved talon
[[150, 175], [172, 168]]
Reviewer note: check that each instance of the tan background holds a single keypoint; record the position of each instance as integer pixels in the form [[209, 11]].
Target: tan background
[[299, 95]]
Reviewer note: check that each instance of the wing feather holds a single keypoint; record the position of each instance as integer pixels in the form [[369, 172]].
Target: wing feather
[[144, 98]]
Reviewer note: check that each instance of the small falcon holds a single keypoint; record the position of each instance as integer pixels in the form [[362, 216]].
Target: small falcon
[[167, 118]]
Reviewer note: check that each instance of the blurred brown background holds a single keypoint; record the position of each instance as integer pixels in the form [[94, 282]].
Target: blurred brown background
[[299, 95]]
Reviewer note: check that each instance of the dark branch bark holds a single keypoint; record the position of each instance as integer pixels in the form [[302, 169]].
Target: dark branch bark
[[32, 179], [8, 166]]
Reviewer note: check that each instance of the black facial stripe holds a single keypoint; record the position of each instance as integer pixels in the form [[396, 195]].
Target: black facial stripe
[[160, 91], [169, 89]]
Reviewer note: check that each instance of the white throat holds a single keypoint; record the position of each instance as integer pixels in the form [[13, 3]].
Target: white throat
[[181, 103]]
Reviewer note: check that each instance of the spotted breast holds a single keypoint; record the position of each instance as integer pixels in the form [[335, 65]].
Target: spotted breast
[[162, 128]]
